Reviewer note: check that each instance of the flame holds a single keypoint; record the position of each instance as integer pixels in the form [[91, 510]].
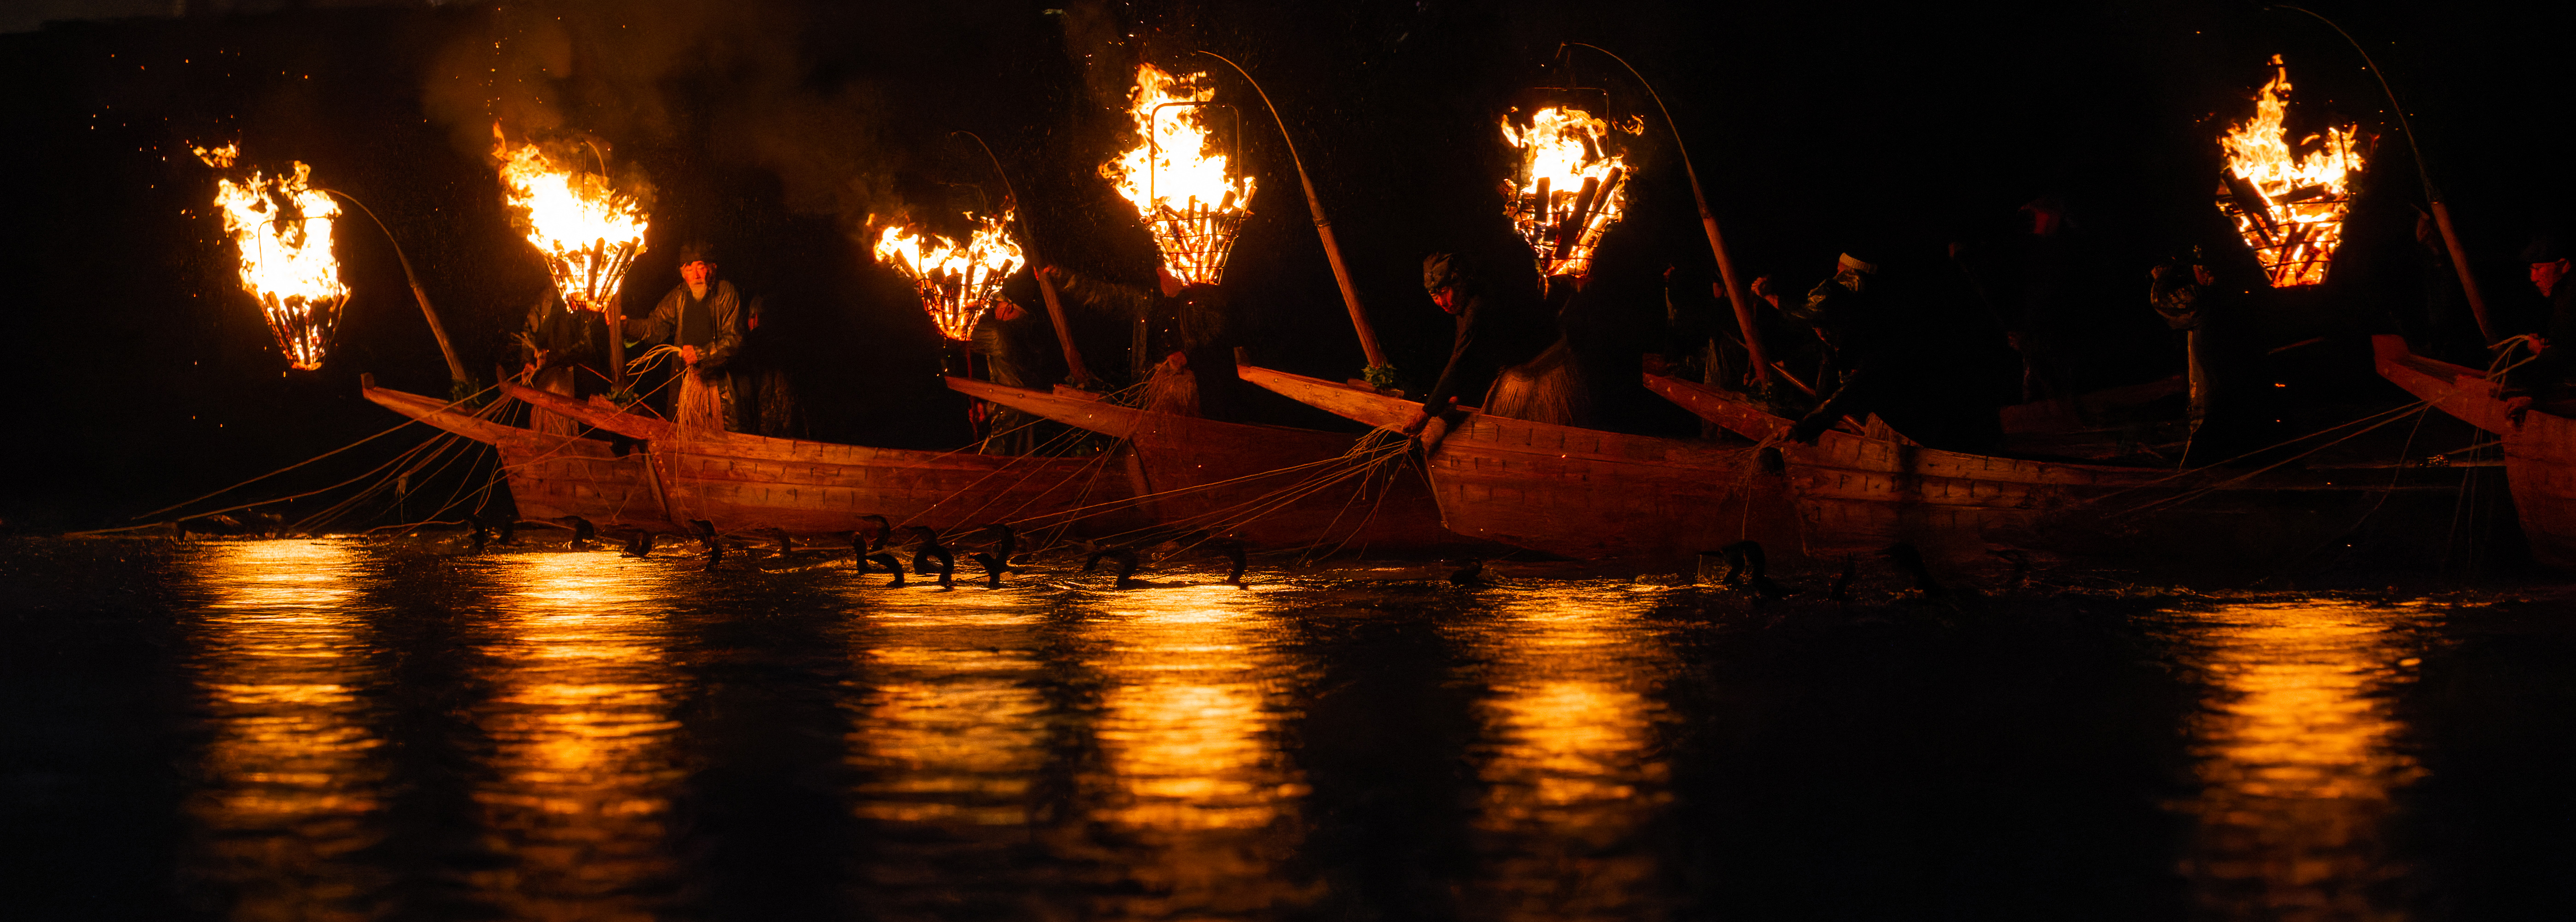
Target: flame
[[1570, 186], [588, 230], [2290, 208], [956, 282], [1181, 191], [282, 225]]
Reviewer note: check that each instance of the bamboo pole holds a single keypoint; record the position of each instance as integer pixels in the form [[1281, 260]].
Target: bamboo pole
[[455, 367], [1323, 227], [1073, 367], [2423, 174], [1735, 289]]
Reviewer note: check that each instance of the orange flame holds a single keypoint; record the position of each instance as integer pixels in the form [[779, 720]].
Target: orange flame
[[588, 230], [1570, 186], [282, 226], [956, 282], [1183, 193], [2290, 208]]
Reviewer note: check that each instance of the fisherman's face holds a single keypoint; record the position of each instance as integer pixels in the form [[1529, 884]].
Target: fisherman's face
[[2546, 276], [1447, 298], [697, 273]]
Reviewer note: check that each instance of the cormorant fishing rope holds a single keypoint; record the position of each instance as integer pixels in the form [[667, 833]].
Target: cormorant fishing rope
[[395, 428]]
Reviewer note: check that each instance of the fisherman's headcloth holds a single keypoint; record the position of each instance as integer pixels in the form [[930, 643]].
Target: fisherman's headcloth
[[697, 251], [1440, 270], [1855, 271], [2546, 248]]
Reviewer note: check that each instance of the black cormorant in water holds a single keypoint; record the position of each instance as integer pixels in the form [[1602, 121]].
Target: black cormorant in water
[[581, 530], [994, 567], [707, 536], [926, 548], [639, 546], [1748, 567], [1006, 544], [1473, 574], [1126, 559], [1232, 548]]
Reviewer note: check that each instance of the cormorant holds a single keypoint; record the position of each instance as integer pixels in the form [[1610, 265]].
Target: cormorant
[[1232, 548], [581, 530], [1747, 566], [707, 536], [1473, 574], [925, 545], [1006, 545], [1910, 561], [994, 567], [640, 546], [779, 535], [1126, 558]]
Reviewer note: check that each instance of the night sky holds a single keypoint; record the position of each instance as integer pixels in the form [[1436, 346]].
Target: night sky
[[777, 127]]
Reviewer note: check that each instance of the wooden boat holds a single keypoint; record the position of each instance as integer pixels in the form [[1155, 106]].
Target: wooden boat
[[551, 476], [742, 482], [1573, 492], [2539, 451], [1858, 492], [1255, 481]]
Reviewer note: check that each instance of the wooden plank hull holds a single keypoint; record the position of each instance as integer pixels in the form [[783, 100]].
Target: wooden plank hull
[[1859, 493], [1578, 493], [1258, 482], [551, 476], [2539, 454], [743, 482]]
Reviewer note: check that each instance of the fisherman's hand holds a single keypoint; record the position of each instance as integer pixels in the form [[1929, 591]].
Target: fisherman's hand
[[1656, 363], [1176, 362], [1808, 430], [528, 371], [1414, 426], [2514, 408], [689, 354]]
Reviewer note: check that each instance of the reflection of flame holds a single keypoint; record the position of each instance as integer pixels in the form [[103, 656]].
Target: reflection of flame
[[582, 737], [2290, 208], [956, 282], [294, 783], [587, 230], [2297, 760], [1569, 188], [1189, 731], [1185, 194], [282, 226], [1572, 776], [955, 727]]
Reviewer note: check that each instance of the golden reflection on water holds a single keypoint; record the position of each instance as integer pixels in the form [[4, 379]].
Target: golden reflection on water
[[952, 728], [2297, 760], [1571, 770], [293, 777], [583, 762], [1195, 695]]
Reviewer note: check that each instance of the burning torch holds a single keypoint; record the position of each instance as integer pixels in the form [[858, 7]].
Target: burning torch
[[1190, 200], [586, 228]]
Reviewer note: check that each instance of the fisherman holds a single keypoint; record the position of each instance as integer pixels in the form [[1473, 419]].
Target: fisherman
[[764, 394], [1181, 333], [1900, 358], [1006, 337], [2222, 358], [564, 352], [703, 318], [1490, 337], [2545, 377]]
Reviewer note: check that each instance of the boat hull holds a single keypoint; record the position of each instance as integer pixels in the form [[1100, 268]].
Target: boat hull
[[1856, 493], [1271, 485], [742, 482], [551, 476], [1573, 492], [2539, 452]]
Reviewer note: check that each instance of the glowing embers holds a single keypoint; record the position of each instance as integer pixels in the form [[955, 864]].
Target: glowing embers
[[2289, 204], [1571, 184], [1190, 200], [587, 227], [957, 282], [282, 226]]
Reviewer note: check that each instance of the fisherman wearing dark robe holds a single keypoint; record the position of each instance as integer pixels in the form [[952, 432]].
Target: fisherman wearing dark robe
[[2546, 377], [2223, 358], [1007, 338], [703, 318], [1901, 358], [1182, 347], [562, 352], [1491, 336], [764, 395]]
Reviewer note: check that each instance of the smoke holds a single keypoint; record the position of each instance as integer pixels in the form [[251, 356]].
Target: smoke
[[681, 83]]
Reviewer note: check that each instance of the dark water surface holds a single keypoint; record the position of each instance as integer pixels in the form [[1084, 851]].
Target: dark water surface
[[330, 729]]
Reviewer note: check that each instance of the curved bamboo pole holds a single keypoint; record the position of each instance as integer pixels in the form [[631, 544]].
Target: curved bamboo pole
[[1735, 290], [2423, 174], [1073, 368], [1323, 226], [455, 368]]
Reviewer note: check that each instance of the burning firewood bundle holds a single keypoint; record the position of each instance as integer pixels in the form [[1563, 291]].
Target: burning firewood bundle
[[1188, 198], [588, 228], [283, 228], [957, 282], [1571, 185], [2288, 205]]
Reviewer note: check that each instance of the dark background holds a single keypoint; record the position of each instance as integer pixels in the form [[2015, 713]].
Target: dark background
[[777, 127]]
